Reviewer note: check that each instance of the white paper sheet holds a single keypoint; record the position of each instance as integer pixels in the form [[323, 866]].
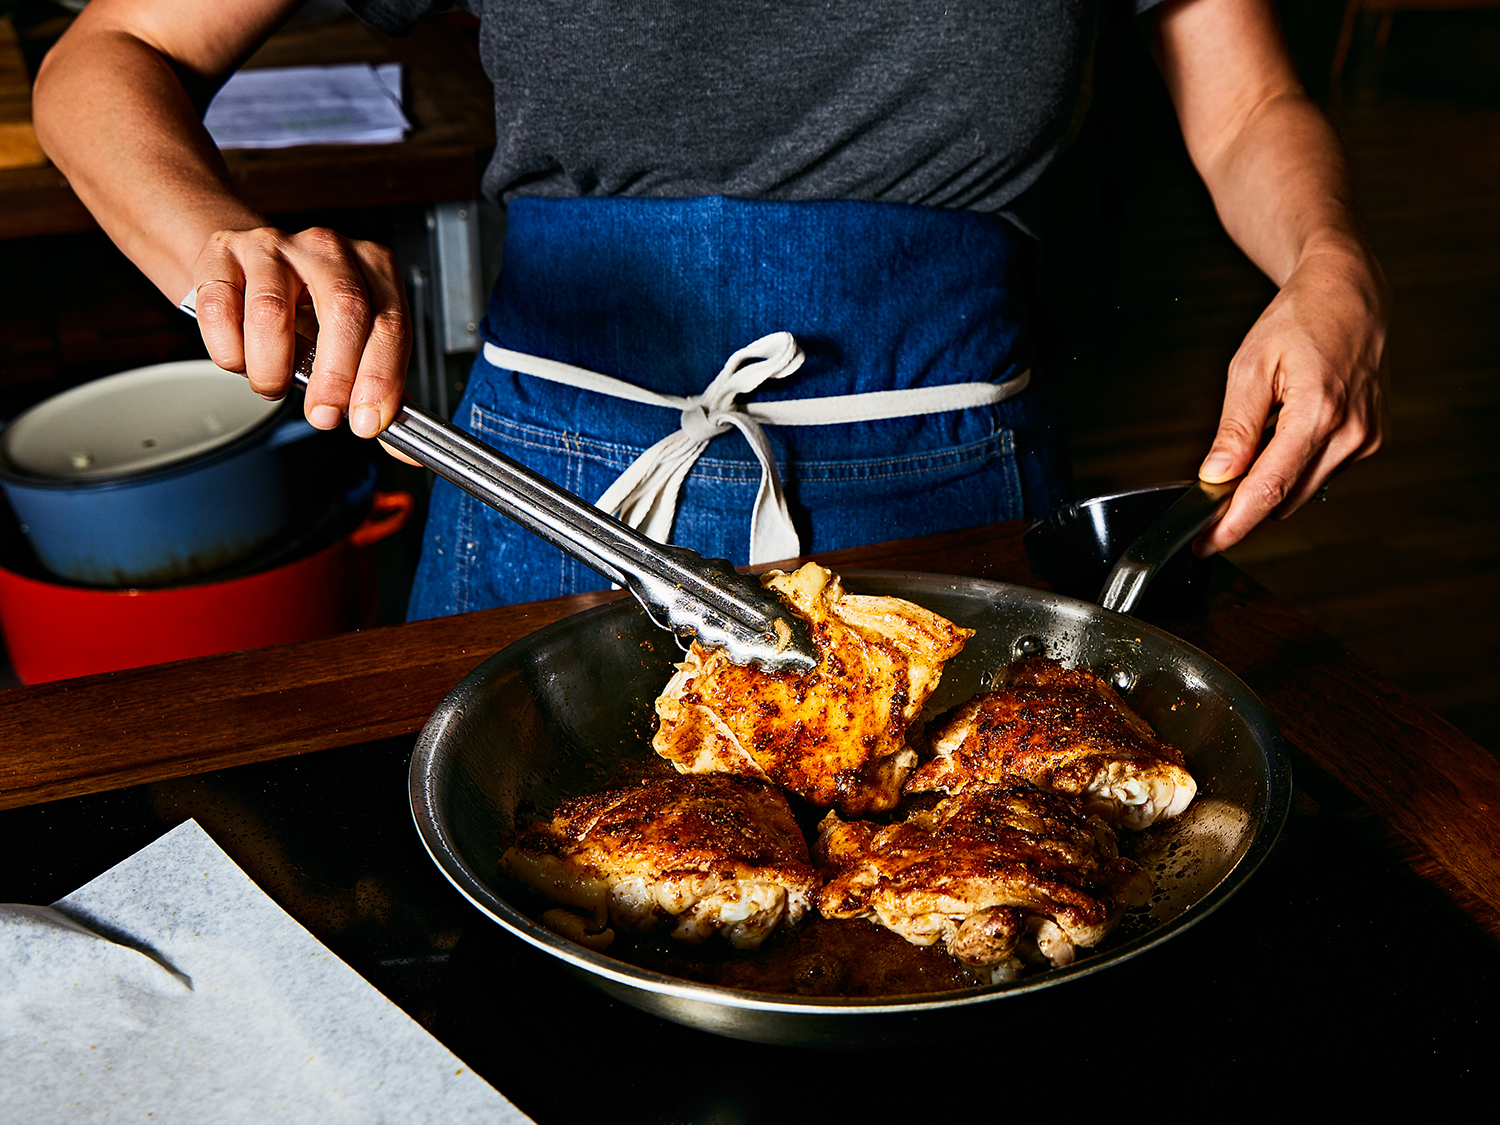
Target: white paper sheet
[[171, 989], [282, 106]]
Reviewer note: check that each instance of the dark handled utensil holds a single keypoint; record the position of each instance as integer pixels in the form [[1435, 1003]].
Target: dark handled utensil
[[1200, 505], [1111, 547]]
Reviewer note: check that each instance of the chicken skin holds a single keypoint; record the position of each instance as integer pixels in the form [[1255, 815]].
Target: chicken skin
[[703, 855], [1066, 731], [1001, 874], [836, 735]]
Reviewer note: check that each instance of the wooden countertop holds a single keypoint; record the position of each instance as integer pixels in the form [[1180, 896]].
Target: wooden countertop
[[1407, 780], [449, 101]]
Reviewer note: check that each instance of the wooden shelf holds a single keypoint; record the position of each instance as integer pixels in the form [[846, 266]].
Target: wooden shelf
[[449, 100], [18, 144]]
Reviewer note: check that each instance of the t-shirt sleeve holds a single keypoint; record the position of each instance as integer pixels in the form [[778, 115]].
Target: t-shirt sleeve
[[395, 17]]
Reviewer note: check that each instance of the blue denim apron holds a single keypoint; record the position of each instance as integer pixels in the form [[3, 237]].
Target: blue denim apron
[[660, 293]]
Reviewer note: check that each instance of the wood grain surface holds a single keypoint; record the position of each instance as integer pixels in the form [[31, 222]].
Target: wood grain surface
[[1408, 780], [18, 144], [1431, 791]]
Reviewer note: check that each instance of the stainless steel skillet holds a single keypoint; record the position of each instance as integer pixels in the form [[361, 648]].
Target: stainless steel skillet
[[550, 716]]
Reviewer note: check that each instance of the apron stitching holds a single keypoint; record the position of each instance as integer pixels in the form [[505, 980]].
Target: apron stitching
[[983, 452]]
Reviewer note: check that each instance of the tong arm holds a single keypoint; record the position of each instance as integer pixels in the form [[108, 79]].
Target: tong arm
[[681, 590]]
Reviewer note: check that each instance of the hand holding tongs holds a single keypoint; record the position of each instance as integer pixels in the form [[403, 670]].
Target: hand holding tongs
[[682, 591]]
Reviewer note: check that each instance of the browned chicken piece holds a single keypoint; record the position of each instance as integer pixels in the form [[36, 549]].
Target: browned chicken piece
[[703, 855], [835, 735], [1064, 730], [1001, 874]]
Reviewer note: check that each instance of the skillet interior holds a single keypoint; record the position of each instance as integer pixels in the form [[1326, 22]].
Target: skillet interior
[[551, 715]]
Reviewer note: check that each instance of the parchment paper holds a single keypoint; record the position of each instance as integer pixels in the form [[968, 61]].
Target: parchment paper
[[171, 989]]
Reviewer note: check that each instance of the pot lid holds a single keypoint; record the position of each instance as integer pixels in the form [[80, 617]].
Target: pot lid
[[136, 420]]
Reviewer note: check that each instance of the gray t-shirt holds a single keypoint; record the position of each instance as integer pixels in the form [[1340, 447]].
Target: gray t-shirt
[[949, 103]]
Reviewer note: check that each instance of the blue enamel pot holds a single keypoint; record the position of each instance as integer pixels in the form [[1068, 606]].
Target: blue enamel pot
[[150, 477]]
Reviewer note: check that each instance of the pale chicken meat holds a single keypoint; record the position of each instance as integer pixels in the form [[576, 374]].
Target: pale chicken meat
[[697, 855], [1066, 731], [1002, 875], [836, 736]]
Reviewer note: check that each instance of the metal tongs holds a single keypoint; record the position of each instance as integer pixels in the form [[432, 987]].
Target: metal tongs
[[681, 591]]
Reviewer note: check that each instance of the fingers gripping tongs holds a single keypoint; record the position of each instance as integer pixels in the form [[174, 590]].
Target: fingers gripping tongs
[[682, 591]]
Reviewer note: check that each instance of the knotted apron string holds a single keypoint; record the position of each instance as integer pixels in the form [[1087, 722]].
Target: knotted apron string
[[646, 494]]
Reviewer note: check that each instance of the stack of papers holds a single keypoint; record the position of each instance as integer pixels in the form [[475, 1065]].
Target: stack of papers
[[172, 989], [283, 106]]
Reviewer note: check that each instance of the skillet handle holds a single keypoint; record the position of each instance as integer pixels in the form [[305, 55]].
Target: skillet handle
[[1200, 506]]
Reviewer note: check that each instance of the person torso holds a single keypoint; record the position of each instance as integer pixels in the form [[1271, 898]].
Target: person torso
[[949, 103]]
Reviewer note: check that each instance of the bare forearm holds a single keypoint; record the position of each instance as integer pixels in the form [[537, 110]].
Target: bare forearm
[[1268, 155], [113, 112], [116, 120], [1281, 187]]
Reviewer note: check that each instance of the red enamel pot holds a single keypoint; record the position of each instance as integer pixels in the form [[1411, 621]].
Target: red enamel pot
[[55, 631]]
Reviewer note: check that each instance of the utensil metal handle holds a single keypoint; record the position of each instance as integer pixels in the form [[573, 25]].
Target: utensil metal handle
[[1200, 506]]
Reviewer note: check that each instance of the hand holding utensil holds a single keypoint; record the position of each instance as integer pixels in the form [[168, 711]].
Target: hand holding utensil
[[681, 591]]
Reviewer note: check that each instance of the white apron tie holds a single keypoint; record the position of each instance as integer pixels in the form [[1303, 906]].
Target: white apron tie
[[646, 494]]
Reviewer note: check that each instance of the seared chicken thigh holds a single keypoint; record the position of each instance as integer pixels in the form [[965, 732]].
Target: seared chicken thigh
[[1066, 731], [700, 854], [835, 735], [1000, 874]]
